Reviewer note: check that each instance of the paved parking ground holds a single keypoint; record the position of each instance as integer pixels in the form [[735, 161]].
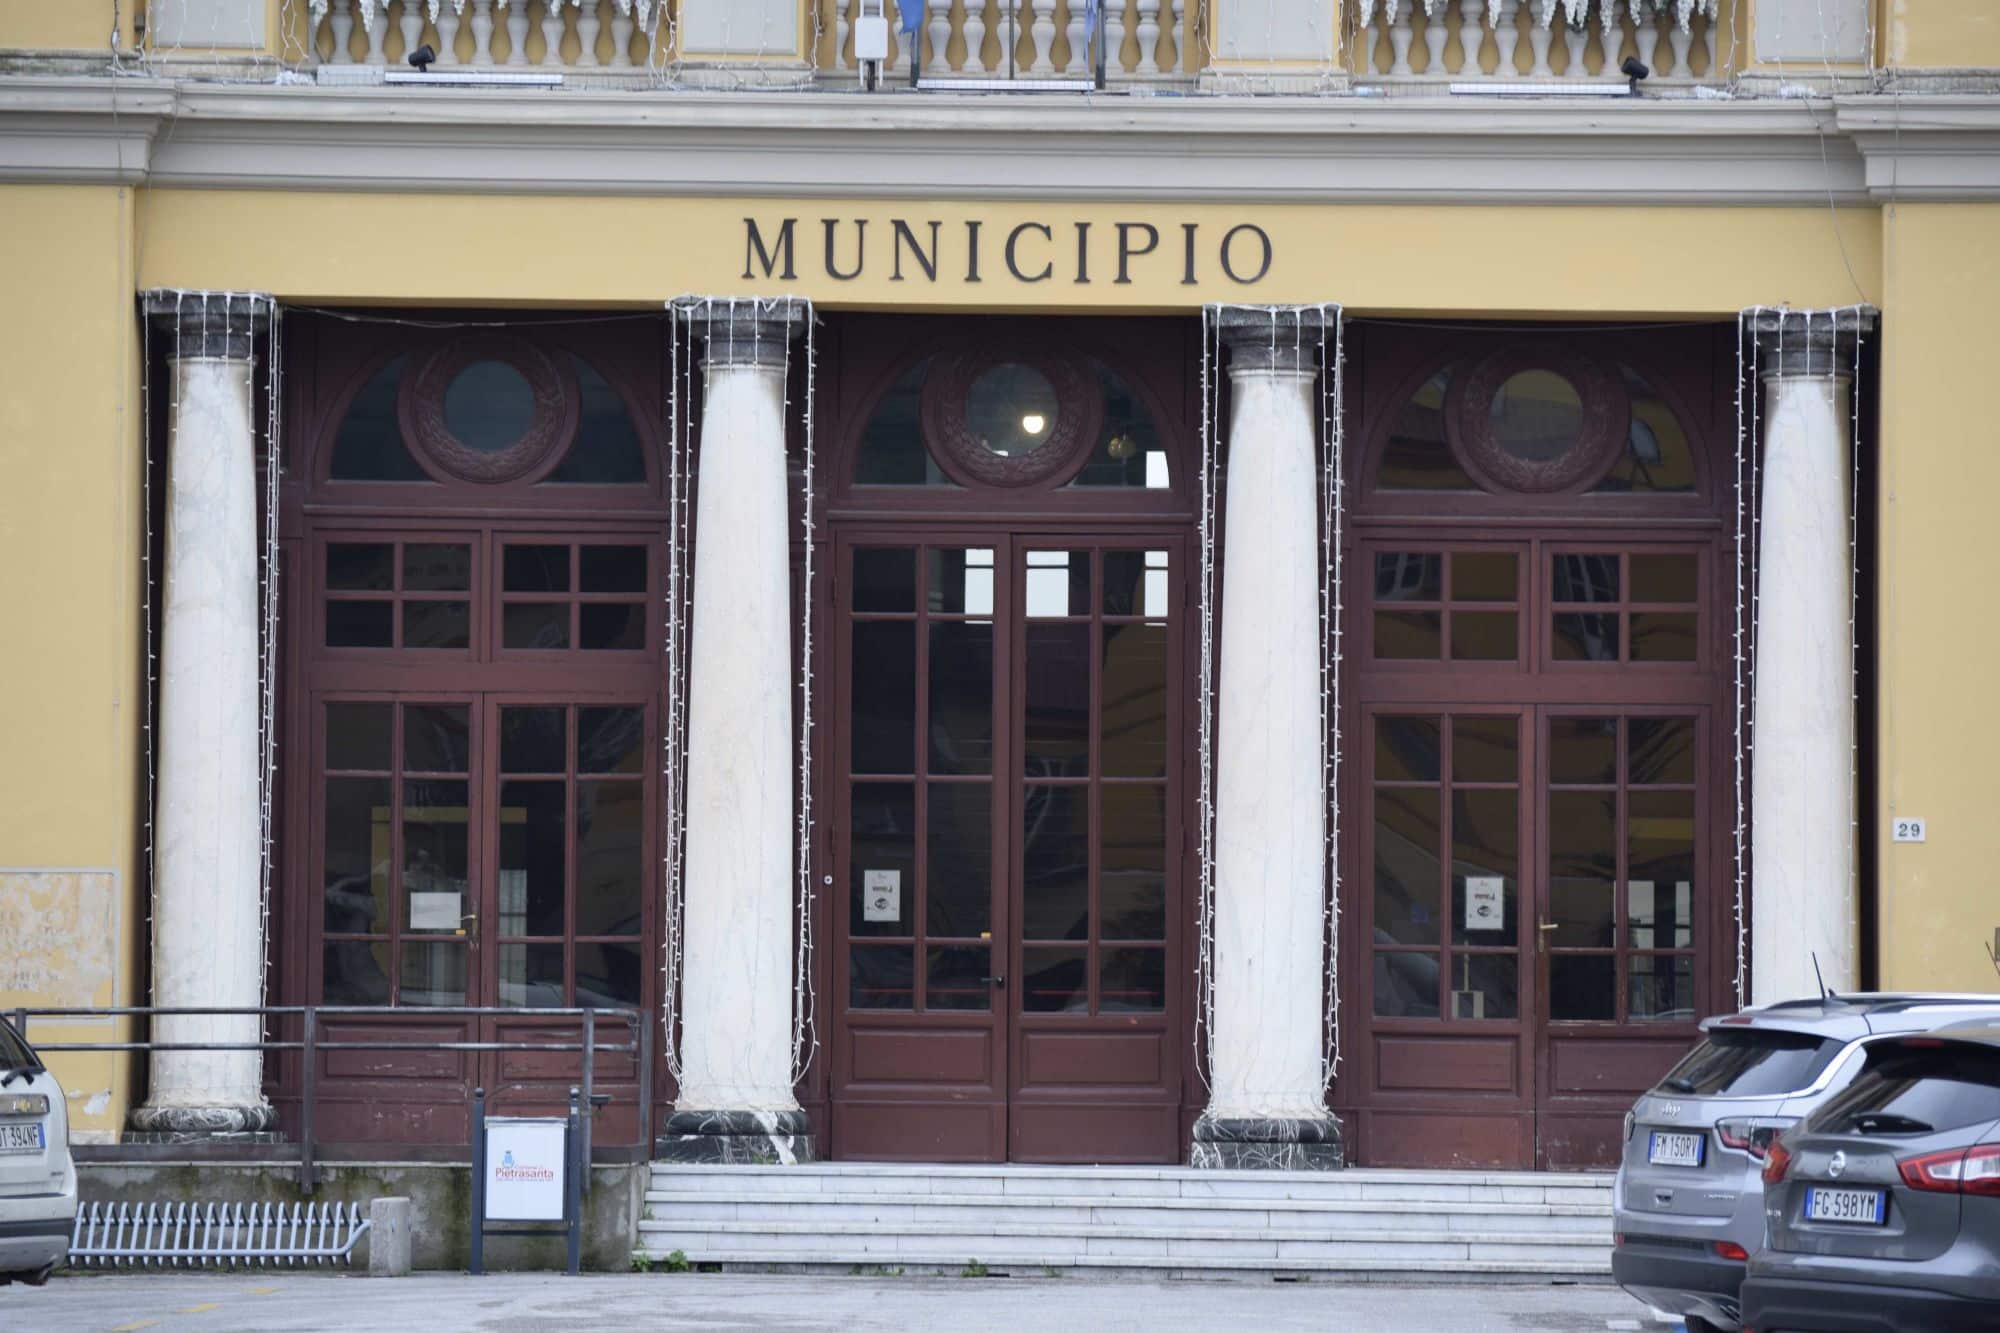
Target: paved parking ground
[[517, 1303]]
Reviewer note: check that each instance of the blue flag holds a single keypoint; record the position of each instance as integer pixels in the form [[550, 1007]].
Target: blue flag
[[1092, 9], [911, 14]]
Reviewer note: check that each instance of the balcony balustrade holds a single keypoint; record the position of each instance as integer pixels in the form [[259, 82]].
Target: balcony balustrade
[[1409, 45]]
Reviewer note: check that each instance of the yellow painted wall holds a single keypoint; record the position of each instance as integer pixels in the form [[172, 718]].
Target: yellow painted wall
[[1379, 259], [66, 25], [1940, 460], [1952, 34], [70, 525]]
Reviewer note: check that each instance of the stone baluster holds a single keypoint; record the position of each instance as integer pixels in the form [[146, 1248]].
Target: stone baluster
[[1541, 31], [1576, 36], [340, 21], [975, 36], [1507, 36], [588, 25], [1436, 33], [450, 15], [1713, 73], [1471, 36], [736, 1098], [412, 25], [1267, 1104], [939, 25], [1610, 37], [1176, 18], [517, 31], [1042, 35], [1010, 28], [621, 34], [376, 27], [1401, 34], [1149, 37], [840, 29], [208, 905], [482, 32], [552, 33], [892, 10], [1681, 41], [1113, 19], [1802, 797], [1079, 60], [1645, 33]]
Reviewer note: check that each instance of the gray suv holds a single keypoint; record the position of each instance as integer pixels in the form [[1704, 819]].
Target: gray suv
[[1688, 1206], [1884, 1206]]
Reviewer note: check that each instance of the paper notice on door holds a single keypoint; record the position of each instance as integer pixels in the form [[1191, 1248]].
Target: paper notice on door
[[1485, 908], [435, 911], [881, 895]]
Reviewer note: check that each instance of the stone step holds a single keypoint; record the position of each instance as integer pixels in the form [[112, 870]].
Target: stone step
[[1196, 1269], [1325, 1215]]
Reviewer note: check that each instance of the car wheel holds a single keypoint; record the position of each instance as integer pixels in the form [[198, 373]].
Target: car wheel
[[38, 1276], [1696, 1324]]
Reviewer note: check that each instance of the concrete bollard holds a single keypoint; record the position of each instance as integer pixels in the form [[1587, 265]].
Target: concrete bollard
[[389, 1238]]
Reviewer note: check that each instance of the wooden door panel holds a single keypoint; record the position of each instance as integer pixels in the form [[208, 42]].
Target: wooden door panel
[[1082, 1130], [906, 1129], [1434, 1064], [1446, 1138], [1093, 1059], [905, 1055]]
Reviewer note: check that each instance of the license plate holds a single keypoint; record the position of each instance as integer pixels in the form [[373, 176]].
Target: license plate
[[21, 1138], [1825, 1205], [1676, 1149]]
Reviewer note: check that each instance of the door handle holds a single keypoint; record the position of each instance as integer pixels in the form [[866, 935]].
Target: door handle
[[472, 934], [995, 981], [1542, 929]]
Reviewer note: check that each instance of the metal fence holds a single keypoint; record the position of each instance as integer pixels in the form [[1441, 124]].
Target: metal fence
[[310, 1044]]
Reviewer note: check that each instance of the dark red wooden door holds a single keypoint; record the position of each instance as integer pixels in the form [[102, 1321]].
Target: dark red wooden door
[[1008, 837]]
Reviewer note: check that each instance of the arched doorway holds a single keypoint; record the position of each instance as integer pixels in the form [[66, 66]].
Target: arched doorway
[[1009, 713]]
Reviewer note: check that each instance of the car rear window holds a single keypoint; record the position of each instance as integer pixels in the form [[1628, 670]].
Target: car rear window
[[1916, 1090], [1750, 1062], [14, 1053]]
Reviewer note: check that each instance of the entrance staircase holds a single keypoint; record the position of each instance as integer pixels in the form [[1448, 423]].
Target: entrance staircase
[[1165, 1221]]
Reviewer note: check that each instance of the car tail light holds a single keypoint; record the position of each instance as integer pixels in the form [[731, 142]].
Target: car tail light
[[1777, 1161], [1753, 1136], [1729, 1249], [1955, 1171]]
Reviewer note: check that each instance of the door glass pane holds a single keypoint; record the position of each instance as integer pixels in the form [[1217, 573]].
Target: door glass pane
[[961, 688], [360, 566], [1582, 864], [880, 977], [1132, 863], [357, 856], [437, 624], [1132, 981], [1659, 914], [1586, 636], [360, 624], [432, 567], [1407, 847], [1660, 862], [1661, 749], [435, 819], [958, 867], [535, 569], [1665, 578], [882, 859], [1409, 576], [962, 581], [610, 974], [1406, 984], [885, 697], [532, 852], [357, 737], [1484, 849], [1407, 748], [611, 625], [885, 579], [955, 978], [1057, 700], [1583, 750], [610, 857], [1485, 749], [1409, 635], [436, 738], [610, 740], [532, 740], [1484, 636], [1134, 701], [1055, 863], [612, 569], [1585, 578], [531, 975], [1054, 981], [535, 626], [1663, 636], [1058, 583], [1483, 576], [433, 973], [1661, 988], [354, 972], [1583, 987], [1135, 583], [1485, 985]]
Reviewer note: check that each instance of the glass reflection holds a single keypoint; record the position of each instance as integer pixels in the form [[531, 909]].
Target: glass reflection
[[1055, 863], [1407, 837], [961, 702]]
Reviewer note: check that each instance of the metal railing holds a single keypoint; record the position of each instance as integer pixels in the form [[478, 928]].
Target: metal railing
[[310, 1045], [229, 1235]]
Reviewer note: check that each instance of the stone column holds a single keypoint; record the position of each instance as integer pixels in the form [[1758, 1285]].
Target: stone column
[[1802, 796], [208, 936], [736, 1100], [1267, 1106]]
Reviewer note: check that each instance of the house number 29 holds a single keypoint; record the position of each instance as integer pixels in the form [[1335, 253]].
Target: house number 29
[[1907, 830]]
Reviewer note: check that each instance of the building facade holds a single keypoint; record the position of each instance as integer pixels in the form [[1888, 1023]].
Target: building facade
[[1318, 588]]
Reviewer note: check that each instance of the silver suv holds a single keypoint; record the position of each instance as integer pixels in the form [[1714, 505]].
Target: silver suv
[[1688, 1207], [37, 1178]]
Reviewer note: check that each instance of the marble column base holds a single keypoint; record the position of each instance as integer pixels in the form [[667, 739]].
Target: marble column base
[[1267, 1145], [187, 1124], [742, 1138]]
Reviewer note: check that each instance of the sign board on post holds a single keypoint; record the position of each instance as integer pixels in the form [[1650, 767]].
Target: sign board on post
[[525, 1160]]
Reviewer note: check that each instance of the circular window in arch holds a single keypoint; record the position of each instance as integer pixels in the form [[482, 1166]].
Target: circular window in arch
[[1004, 417], [1537, 418], [490, 409]]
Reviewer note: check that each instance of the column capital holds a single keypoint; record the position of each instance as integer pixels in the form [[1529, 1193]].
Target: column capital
[[1278, 339], [221, 326], [1808, 342], [743, 331]]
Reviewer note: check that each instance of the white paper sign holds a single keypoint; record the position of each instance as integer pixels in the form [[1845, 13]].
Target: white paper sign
[[435, 911], [524, 1169], [881, 895], [1484, 905]]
